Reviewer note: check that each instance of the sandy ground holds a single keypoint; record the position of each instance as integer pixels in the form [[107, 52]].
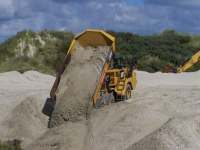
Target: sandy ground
[[163, 113], [22, 97]]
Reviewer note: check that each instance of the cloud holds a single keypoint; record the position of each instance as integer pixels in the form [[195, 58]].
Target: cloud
[[180, 3], [6, 9], [86, 1], [141, 17]]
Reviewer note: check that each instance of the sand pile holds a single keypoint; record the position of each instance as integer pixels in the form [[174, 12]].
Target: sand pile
[[16, 86], [176, 133], [22, 97], [77, 85], [25, 122], [163, 113]]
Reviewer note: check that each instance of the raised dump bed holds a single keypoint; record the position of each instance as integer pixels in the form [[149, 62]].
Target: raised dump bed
[[81, 76], [89, 37]]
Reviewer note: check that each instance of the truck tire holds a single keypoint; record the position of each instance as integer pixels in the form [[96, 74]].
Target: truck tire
[[128, 92], [109, 98], [106, 99], [112, 99], [100, 102]]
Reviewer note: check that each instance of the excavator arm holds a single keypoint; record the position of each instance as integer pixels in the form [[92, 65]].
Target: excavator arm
[[194, 59], [190, 62]]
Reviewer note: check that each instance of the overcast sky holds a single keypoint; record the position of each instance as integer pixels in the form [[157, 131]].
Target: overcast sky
[[142, 17]]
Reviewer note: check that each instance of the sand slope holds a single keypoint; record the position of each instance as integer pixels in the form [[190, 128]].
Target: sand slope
[[22, 97], [162, 114]]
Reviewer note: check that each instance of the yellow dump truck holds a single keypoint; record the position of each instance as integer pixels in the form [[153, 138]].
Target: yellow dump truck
[[116, 81]]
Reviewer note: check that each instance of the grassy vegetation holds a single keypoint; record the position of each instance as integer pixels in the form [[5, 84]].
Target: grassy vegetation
[[152, 52], [155, 51], [47, 58], [10, 145]]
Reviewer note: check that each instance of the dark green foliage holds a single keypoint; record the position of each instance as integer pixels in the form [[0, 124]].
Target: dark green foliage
[[152, 52], [34, 62], [23, 58], [168, 46], [156, 65], [150, 64]]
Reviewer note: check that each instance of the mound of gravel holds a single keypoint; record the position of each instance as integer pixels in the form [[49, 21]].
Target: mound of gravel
[[77, 85]]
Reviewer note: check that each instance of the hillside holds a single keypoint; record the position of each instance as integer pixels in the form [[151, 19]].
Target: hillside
[[45, 50], [42, 51]]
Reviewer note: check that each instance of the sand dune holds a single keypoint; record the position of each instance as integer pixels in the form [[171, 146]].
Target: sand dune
[[162, 114]]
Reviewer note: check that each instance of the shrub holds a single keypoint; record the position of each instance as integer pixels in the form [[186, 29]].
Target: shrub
[[24, 58], [150, 64], [34, 62], [156, 65]]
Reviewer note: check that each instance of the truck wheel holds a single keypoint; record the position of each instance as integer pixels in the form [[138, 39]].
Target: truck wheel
[[112, 99], [106, 98], [128, 92], [100, 102], [109, 98]]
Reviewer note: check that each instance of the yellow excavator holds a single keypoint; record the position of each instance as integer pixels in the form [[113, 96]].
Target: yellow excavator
[[116, 80], [190, 62]]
